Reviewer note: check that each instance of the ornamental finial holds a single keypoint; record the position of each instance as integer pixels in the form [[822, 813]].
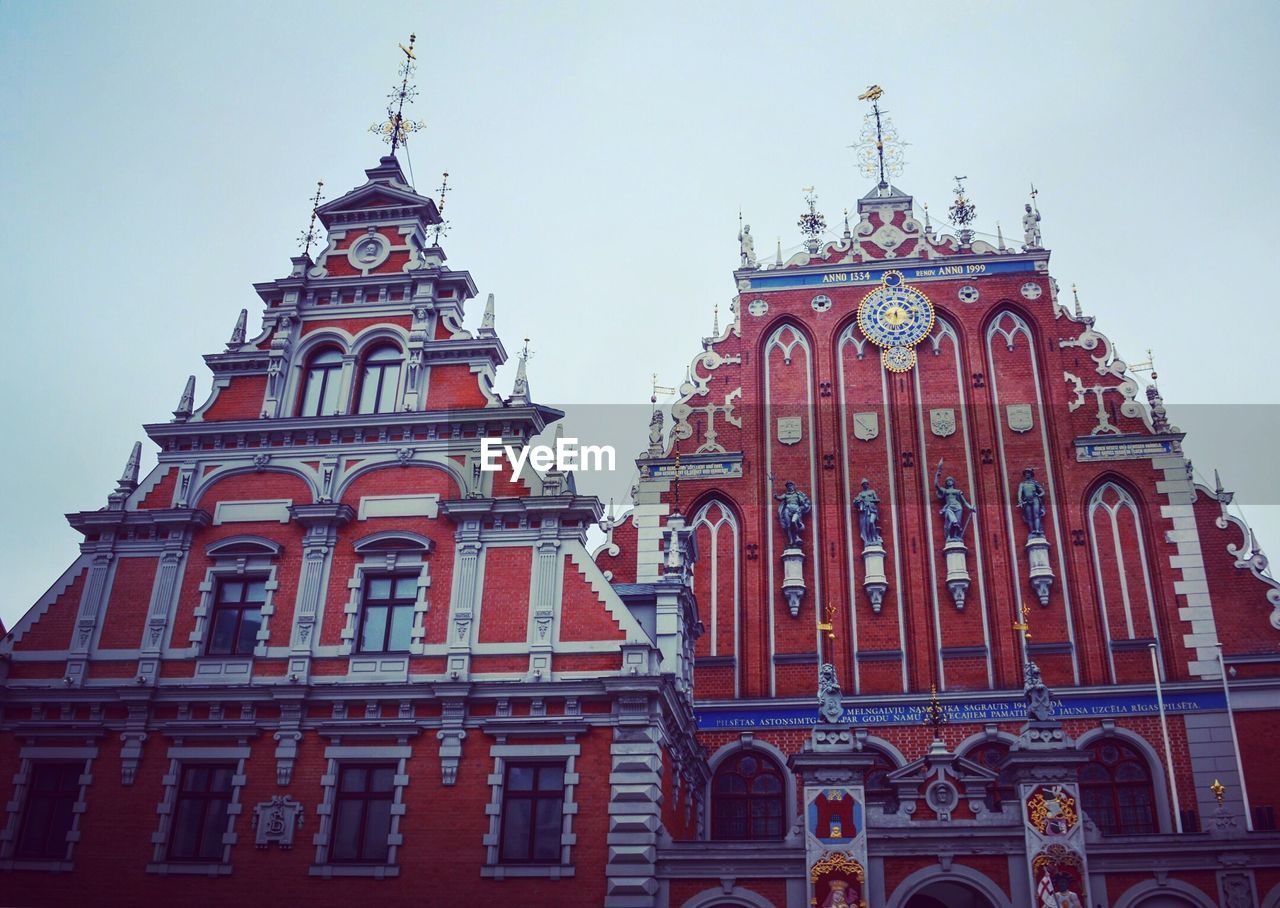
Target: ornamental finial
[[396, 129], [1219, 790], [879, 149], [442, 227], [935, 714], [962, 212], [812, 223], [309, 236]]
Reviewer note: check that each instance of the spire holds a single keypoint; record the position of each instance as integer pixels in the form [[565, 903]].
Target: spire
[[442, 226], [715, 321], [777, 261], [999, 237], [395, 131], [238, 332], [520, 388], [309, 236], [128, 479], [486, 323], [847, 234], [928, 228], [1076, 293], [187, 401], [879, 149]]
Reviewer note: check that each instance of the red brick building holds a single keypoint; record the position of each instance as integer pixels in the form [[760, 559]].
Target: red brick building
[[319, 653]]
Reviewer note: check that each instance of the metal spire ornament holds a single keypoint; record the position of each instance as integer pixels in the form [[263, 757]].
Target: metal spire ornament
[[396, 129], [962, 213], [812, 223], [442, 228], [309, 236], [879, 149], [935, 714]]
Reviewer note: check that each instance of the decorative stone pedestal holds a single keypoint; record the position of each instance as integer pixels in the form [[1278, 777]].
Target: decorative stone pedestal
[[793, 578], [874, 580], [1040, 574], [957, 571]]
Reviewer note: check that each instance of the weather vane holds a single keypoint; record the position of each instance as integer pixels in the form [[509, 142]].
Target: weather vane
[[879, 149], [396, 129], [812, 223], [441, 228], [306, 239]]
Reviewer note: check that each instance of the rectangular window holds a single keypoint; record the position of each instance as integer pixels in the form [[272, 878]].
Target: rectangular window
[[362, 813], [237, 616], [200, 817], [532, 813], [386, 620], [50, 810]]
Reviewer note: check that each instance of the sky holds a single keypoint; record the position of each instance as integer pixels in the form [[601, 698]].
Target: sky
[[156, 159]]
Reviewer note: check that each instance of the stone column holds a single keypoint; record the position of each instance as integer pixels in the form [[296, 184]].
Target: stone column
[[177, 527], [322, 522], [635, 807]]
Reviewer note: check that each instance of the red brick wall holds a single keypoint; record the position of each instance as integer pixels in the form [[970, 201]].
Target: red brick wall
[[504, 602], [126, 614], [242, 399]]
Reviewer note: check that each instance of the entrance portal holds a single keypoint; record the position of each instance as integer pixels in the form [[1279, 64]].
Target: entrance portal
[[948, 894]]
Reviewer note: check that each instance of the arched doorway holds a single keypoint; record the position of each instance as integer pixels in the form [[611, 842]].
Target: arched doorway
[[948, 894], [1165, 901]]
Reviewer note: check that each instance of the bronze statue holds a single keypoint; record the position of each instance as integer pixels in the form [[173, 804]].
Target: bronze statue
[[1031, 502], [954, 505], [867, 503], [795, 505]]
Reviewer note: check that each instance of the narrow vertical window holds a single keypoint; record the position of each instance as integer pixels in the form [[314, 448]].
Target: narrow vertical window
[[237, 616], [379, 379], [532, 813], [320, 390], [200, 818], [50, 810], [362, 813], [386, 620]]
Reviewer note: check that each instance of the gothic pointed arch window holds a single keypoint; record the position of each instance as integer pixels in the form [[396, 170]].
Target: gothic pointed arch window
[[379, 379], [1116, 790], [320, 384], [717, 581], [1121, 572], [748, 798]]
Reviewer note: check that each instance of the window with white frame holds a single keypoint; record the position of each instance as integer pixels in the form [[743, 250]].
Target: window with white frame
[[531, 811], [386, 612], [233, 617], [199, 810], [360, 812], [387, 609], [379, 380], [320, 385], [44, 812]]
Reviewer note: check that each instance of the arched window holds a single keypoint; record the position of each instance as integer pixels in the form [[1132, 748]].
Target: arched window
[[1116, 789], [747, 798], [992, 755], [379, 379], [320, 390], [879, 789]]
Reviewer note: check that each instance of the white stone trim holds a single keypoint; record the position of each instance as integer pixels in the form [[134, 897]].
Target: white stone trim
[[385, 563], [275, 510], [236, 669], [1125, 502], [502, 753], [28, 758], [712, 559], [373, 506], [178, 757], [748, 742], [1139, 892], [337, 755], [1155, 766], [1188, 566], [952, 872]]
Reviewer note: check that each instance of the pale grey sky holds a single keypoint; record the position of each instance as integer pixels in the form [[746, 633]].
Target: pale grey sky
[[157, 159]]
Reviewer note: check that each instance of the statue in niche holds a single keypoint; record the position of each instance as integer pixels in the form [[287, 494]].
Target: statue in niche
[[957, 512], [867, 503], [1031, 227], [791, 513], [830, 704], [1039, 698], [748, 247], [1031, 502]]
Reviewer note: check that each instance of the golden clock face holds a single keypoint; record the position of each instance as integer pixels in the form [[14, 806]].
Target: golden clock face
[[896, 316]]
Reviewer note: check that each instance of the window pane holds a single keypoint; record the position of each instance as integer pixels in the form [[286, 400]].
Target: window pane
[[766, 785], [379, 587], [550, 778], [215, 824], [369, 389], [220, 778], [374, 630], [311, 395], [381, 778], [37, 839], [731, 783], [329, 394], [546, 843], [520, 778], [230, 591], [401, 627], [390, 379], [250, 624], [407, 587], [195, 778], [257, 591], [515, 829], [185, 836], [346, 830], [224, 631], [377, 826], [1130, 772], [354, 778]]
